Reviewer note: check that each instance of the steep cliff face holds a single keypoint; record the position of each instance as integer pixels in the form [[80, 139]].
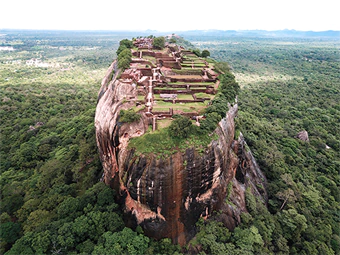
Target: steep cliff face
[[166, 196]]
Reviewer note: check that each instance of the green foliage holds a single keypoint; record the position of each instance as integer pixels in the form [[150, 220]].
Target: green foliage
[[124, 44], [162, 144], [197, 52], [293, 224], [121, 49], [210, 122], [124, 63], [205, 54], [221, 67], [212, 236], [128, 116], [9, 232], [127, 43], [247, 239], [124, 58], [229, 88], [158, 42], [181, 127], [124, 54], [172, 40], [123, 242], [55, 160], [227, 92]]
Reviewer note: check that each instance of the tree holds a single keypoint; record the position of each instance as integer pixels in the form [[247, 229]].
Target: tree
[[197, 52], [125, 241], [172, 40], [126, 53], [9, 232], [124, 58], [37, 220], [205, 53], [124, 63], [128, 116], [246, 239], [159, 42], [68, 207], [180, 127], [124, 44], [127, 43], [292, 223], [287, 196], [120, 49], [210, 123]]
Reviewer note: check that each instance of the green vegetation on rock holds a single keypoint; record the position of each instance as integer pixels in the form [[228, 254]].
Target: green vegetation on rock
[[159, 42], [124, 54], [128, 116], [180, 127]]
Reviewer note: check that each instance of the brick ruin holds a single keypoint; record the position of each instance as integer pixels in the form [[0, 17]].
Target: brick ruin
[[169, 81]]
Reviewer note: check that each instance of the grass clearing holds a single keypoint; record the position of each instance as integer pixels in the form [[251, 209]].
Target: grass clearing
[[252, 79], [185, 96], [163, 123], [204, 95], [183, 107], [162, 144], [189, 107]]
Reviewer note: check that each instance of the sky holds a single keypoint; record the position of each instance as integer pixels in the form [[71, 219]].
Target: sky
[[170, 15]]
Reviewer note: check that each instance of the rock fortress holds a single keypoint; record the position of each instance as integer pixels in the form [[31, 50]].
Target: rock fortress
[[167, 194]]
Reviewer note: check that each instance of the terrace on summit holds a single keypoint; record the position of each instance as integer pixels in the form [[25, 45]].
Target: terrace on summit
[[169, 81]]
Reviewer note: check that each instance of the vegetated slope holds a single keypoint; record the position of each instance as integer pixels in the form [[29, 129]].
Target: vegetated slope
[[288, 86]]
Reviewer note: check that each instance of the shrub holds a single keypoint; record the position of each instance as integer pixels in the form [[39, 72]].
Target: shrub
[[180, 127], [159, 42], [127, 43], [205, 53], [124, 59], [197, 52], [128, 116], [124, 63]]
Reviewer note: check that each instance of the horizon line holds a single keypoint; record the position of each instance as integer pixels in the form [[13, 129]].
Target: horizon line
[[162, 31]]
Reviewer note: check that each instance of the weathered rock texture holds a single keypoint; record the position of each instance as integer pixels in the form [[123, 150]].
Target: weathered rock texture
[[167, 196]]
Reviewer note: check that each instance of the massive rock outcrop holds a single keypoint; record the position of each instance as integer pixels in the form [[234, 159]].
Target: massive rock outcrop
[[166, 196]]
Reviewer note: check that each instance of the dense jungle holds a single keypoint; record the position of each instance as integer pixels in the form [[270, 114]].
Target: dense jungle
[[54, 202]]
